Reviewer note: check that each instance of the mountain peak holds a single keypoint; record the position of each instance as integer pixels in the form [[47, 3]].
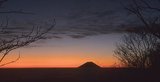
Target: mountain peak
[[89, 65]]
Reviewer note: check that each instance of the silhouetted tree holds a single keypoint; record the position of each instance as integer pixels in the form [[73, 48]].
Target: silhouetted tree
[[140, 47], [148, 14], [11, 39], [136, 50]]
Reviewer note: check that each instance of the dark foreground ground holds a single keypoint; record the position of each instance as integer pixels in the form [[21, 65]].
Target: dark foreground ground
[[78, 75]]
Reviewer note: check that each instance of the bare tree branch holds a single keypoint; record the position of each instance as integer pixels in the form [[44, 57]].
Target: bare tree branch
[[22, 40], [136, 50], [11, 40], [11, 61], [140, 47]]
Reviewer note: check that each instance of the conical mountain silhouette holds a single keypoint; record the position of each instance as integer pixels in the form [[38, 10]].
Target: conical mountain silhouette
[[89, 65]]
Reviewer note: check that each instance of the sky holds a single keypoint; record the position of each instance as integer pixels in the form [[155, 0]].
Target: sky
[[67, 52], [85, 30]]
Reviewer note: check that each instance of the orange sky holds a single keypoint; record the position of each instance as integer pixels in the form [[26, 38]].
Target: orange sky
[[47, 60], [63, 53]]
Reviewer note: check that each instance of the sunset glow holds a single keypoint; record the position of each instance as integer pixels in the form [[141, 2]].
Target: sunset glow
[[63, 53], [83, 31], [79, 40]]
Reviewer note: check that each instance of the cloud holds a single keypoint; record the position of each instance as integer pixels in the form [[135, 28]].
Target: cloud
[[81, 19], [93, 22]]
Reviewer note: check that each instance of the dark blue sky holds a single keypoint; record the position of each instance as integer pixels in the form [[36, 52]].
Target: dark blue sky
[[80, 17]]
